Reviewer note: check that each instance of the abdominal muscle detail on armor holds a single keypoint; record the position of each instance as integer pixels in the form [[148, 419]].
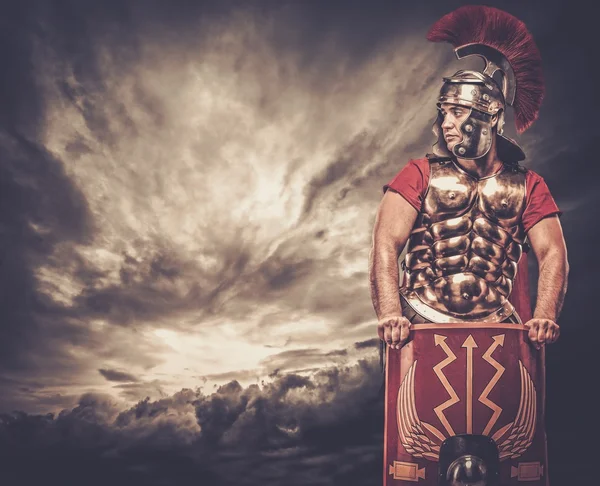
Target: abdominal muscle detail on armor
[[463, 252]]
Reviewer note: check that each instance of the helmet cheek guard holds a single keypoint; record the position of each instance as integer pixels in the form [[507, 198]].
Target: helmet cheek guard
[[477, 135]]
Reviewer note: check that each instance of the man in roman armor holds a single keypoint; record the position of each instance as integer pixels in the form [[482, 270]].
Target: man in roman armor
[[467, 214], [470, 211]]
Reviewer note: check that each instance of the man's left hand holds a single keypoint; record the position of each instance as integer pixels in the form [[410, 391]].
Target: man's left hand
[[542, 331]]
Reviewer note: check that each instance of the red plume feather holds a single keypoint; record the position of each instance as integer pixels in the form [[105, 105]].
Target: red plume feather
[[507, 34]]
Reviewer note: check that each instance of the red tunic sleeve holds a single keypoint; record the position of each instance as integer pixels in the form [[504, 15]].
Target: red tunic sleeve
[[411, 182], [539, 202]]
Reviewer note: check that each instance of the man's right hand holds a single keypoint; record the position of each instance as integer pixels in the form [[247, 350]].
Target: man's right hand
[[393, 330]]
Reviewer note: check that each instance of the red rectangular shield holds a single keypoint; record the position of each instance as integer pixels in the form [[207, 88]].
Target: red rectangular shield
[[452, 379]]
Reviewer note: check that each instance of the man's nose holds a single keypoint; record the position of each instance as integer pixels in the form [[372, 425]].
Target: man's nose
[[446, 123]]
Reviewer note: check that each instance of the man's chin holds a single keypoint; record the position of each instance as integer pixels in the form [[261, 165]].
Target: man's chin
[[451, 145]]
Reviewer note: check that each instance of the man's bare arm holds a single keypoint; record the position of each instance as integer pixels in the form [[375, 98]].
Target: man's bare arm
[[393, 224], [548, 244]]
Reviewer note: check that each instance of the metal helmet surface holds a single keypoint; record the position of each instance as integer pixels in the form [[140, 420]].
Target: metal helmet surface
[[480, 93], [469, 460], [509, 52], [468, 470]]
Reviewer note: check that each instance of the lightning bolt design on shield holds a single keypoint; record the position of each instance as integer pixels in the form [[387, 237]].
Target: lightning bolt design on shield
[[441, 341], [487, 356]]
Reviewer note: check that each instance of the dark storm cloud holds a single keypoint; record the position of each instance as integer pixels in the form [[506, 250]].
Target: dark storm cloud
[[238, 375], [145, 290], [279, 272], [78, 35], [116, 375], [39, 207], [298, 359], [291, 431], [83, 37], [369, 343], [132, 392], [344, 166], [297, 430]]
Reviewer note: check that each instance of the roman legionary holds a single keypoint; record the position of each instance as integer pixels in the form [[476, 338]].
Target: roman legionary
[[469, 212]]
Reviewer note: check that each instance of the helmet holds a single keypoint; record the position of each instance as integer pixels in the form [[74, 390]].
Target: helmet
[[512, 76]]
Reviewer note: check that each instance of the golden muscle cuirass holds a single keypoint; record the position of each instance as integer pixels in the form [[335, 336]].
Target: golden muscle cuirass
[[462, 254]]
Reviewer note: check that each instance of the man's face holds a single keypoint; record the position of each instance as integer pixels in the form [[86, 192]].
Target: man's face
[[453, 117]]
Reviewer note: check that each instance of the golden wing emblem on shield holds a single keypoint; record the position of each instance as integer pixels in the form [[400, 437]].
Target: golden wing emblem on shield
[[515, 437], [411, 430], [518, 435]]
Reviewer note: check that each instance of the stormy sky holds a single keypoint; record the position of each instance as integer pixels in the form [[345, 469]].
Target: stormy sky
[[187, 193]]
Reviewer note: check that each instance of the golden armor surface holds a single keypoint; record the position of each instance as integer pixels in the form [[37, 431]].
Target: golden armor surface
[[462, 255]]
